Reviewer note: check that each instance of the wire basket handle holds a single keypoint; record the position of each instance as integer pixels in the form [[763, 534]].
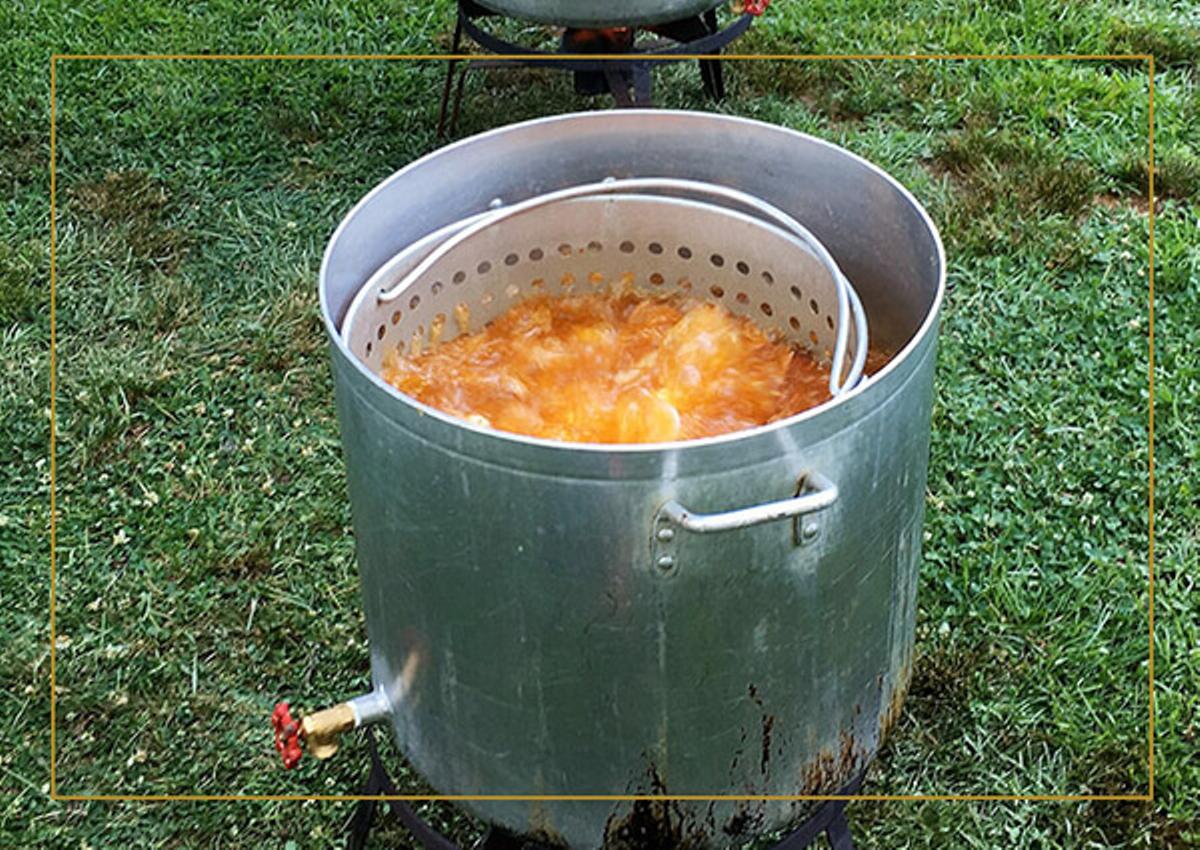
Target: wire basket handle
[[849, 305]]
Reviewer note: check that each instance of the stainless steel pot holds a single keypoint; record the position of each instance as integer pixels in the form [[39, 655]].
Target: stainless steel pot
[[614, 13], [729, 616]]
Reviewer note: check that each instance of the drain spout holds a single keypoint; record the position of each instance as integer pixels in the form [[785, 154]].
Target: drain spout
[[321, 731], [370, 708]]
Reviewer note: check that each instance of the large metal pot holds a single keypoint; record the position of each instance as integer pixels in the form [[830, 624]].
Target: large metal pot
[[613, 13], [525, 638]]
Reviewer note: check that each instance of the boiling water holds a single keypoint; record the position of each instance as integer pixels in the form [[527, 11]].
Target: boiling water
[[614, 368]]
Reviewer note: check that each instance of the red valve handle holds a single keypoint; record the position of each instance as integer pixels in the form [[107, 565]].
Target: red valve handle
[[755, 7], [287, 735]]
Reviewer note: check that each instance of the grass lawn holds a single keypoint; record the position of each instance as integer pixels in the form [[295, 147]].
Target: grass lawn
[[205, 562]]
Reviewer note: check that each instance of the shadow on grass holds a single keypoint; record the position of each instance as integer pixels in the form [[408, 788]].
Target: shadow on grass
[[1172, 41], [132, 200], [1002, 181]]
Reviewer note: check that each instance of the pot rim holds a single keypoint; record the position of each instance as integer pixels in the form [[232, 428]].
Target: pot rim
[[424, 410]]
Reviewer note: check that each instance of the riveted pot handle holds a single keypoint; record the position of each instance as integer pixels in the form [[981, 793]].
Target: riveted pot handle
[[816, 493]]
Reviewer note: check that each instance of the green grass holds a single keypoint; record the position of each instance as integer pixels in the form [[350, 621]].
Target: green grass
[[204, 555]]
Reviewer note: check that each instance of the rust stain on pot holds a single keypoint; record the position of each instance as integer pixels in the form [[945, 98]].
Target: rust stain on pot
[[738, 753], [831, 768], [768, 725], [652, 824], [548, 840], [891, 712], [541, 827], [749, 819]]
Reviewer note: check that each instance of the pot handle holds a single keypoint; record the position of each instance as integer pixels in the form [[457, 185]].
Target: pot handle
[[816, 492]]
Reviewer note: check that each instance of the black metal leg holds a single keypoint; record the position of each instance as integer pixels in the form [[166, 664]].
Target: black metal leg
[[458, 96], [701, 34], [360, 824], [590, 82], [378, 782], [500, 839], [364, 812], [839, 831], [711, 70], [692, 30], [829, 818], [586, 82], [450, 66], [618, 85], [642, 77], [712, 78]]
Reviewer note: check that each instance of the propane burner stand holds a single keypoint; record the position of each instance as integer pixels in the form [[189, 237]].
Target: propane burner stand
[[627, 80], [829, 818]]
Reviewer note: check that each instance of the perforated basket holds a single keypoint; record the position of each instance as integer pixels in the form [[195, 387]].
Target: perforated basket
[[652, 234]]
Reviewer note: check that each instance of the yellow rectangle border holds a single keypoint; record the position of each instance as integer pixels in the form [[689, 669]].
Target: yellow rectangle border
[[55, 795]]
